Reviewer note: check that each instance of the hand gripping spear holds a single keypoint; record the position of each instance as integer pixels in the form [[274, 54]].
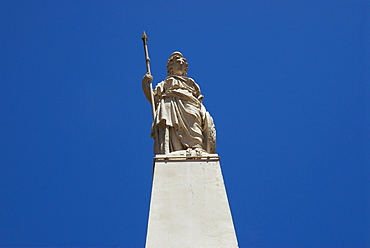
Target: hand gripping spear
[[147, 59]]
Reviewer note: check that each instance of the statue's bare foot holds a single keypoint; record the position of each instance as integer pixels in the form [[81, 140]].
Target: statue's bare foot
[[199, 151], [190, 152], [195, 152]]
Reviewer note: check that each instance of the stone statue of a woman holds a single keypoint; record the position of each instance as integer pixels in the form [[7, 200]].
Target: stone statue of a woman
[[181, 121]]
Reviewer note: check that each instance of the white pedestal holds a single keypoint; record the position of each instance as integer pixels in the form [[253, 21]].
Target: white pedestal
[[189, 206]]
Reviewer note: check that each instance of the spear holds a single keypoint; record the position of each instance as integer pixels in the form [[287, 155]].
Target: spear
[[147, 60]]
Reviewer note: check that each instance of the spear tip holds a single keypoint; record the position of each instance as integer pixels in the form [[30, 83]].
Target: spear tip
[[144, 37]]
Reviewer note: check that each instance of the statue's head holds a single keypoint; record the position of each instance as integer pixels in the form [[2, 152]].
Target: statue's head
[[177, 65]]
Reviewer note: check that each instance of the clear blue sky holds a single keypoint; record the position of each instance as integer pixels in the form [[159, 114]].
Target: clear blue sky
[[287, 83]]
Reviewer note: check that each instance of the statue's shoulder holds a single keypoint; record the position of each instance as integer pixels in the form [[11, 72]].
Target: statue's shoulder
[[192, 81], [176, 79], [182, 78], [168, 80]]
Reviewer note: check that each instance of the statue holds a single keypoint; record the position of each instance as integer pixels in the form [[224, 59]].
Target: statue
[[180, 120]]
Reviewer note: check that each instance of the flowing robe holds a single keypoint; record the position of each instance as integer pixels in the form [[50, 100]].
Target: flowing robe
[[181, 121]]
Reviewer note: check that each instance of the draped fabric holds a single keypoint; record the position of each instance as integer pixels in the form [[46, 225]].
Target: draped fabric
[[179, 109]]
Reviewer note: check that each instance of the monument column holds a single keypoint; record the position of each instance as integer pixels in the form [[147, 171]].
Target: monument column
[[189, 206]]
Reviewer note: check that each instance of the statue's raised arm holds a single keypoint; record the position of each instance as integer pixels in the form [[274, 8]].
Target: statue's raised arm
[[146, 84], [180, 122]]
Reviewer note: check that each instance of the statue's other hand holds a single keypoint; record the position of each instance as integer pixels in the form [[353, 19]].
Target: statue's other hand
[[147, 78]]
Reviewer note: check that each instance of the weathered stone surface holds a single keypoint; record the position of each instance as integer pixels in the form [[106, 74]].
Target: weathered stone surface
[[189, 206]]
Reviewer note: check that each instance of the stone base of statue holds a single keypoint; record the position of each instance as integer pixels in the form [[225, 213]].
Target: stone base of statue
[[189, 206]]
